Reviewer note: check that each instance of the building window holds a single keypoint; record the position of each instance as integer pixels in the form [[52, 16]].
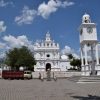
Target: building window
[[47, 44], [48, 55]]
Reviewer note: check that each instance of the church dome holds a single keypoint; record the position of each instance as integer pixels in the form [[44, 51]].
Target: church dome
[[64, 57]]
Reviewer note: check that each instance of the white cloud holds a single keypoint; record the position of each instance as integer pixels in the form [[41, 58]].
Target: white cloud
[[52, 6], [44, 9], [10, 42], [68, 50], [2, 55], [75, 55], [2, 27], [2, 45], [66, 3], [18, 41], [26, 17], [4, 4]]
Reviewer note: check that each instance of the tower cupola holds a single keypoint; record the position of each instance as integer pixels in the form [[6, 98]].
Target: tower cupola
[[86, 18], [48, 38]]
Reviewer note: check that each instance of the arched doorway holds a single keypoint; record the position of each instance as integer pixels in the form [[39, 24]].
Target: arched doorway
[[48, 66]]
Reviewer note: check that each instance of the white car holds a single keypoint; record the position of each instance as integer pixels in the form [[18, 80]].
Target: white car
[[27, 75]]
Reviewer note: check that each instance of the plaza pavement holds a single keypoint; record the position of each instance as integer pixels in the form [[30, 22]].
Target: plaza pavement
[[34, 89]]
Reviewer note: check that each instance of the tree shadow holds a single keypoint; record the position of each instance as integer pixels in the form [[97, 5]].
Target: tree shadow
[[89, 97]]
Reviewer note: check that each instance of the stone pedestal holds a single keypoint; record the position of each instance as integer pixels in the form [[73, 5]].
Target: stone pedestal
[[85, 70], [97, 68]]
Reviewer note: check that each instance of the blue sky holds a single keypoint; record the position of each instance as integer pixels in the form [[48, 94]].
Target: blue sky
[[29, 20]]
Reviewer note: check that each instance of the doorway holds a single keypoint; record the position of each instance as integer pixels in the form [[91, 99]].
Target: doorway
[[48, 66]]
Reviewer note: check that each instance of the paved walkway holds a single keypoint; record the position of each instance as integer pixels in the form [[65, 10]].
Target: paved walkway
[[62, 89]]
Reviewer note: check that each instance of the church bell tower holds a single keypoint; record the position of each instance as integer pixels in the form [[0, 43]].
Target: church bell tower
[[89, 47]]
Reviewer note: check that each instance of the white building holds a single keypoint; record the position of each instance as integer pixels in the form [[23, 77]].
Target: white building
[[47, 55], [89, 47]]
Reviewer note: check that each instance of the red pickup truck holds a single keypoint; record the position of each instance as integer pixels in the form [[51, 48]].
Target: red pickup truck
[[16, 74]]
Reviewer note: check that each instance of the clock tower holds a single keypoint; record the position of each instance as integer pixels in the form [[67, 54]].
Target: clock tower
[[89, 47]]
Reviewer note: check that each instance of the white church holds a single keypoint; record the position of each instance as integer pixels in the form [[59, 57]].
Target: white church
[[48, 56]]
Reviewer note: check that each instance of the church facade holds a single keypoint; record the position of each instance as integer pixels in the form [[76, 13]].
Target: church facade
[[48, 56]]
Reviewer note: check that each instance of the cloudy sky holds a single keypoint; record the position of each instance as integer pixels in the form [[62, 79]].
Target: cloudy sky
[[22, 22]]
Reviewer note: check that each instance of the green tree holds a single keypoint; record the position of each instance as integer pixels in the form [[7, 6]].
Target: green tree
[[70, 56], [20, 57], [76, 62]]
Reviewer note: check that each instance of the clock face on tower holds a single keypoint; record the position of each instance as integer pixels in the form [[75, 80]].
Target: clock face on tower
[[89, 30]]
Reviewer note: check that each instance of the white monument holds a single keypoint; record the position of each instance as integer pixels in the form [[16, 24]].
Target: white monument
[[47, 55], [89, 47]]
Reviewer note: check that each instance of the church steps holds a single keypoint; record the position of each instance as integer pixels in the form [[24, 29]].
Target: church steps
[[85, 79]]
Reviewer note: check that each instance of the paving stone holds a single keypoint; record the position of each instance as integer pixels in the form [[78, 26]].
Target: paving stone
[[34, 89]]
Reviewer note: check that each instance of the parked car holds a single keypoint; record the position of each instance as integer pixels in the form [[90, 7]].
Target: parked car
[[27, 75], [16, 74]]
